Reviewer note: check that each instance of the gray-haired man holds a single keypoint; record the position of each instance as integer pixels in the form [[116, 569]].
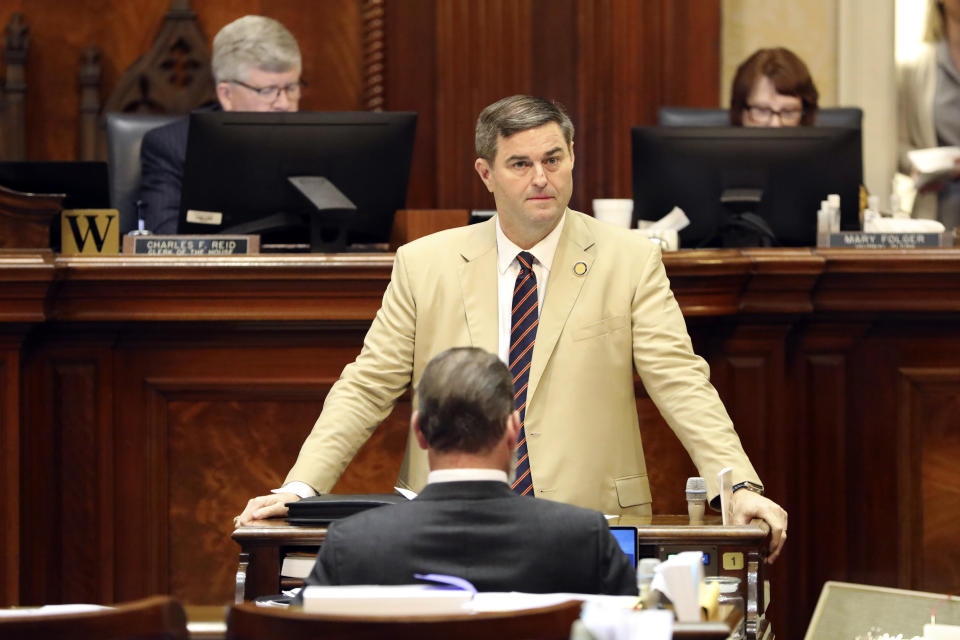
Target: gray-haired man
[[256, 67]]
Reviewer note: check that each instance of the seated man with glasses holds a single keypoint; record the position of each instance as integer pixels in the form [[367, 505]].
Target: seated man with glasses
[[256, 66], [773, 88]]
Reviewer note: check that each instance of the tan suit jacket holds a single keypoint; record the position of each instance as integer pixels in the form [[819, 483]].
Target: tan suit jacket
[[581, 421]]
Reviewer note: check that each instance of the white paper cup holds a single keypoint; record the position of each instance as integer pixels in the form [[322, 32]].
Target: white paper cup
[[618, 211]]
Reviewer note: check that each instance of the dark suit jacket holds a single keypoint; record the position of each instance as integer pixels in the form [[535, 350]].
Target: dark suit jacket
[[162, 156], [480, 531]]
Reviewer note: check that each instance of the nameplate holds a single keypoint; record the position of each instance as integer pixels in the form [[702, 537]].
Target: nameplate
[[191, 245], [884, 240]]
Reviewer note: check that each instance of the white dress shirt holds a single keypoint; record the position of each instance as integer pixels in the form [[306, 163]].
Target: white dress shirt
[[466, 475]]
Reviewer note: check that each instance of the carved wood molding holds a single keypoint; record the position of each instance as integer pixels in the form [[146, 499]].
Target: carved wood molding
[[16, 41], [89, 81], [374, 54], [707, 283]]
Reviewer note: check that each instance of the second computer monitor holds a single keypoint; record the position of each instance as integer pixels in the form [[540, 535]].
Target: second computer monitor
[[793, 169], [239, 167]]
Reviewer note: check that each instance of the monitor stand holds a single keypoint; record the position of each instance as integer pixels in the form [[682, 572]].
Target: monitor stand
[[332, 216], [279, 232], [273, 222], [742, 226]]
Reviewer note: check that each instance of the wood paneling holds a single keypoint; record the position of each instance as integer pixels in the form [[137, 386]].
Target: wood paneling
[[82, 425], [329, 33], [929, 499], [10, 465], [612, 63], [156, 396], [483, 54]]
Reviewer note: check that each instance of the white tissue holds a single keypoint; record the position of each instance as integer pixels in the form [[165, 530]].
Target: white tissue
[[679, 578], [902, 225]]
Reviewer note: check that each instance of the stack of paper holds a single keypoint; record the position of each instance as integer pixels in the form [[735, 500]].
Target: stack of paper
[[414, 599], [933, 164]]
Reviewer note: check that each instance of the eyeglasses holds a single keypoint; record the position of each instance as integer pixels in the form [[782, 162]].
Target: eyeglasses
[[763, 114], [272, 92]]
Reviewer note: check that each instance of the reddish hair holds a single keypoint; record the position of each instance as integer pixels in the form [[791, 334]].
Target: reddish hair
[[789, 76]]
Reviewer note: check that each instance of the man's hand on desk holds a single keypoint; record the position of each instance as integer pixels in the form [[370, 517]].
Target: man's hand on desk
[[748, 505], [269, 506]]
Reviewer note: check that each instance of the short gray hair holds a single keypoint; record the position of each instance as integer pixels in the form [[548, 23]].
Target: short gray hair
[[513, 115], [464, 398], [253, 41]]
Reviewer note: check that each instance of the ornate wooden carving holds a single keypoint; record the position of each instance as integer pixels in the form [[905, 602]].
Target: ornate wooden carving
[[89, 80], [16, 40], [174, 75], [374, 54]]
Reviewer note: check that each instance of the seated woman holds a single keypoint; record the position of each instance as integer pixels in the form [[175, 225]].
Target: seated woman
[[773, 88]]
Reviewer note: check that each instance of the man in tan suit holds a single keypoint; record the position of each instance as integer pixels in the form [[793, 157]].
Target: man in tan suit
[[605, 308]]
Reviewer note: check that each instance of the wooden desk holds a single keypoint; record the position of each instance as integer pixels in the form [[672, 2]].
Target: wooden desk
[[263, 545], [144, 400], [734, 551]]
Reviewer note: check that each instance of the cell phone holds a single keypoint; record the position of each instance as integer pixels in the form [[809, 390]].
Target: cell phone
[[627, 539]]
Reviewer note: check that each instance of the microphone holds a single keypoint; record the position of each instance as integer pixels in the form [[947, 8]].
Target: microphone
[[696, 499]]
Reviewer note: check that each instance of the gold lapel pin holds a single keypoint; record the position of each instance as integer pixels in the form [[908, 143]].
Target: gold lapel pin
[[580, 268]]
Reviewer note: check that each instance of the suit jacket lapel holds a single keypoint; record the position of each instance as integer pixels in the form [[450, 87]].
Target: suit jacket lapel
[[478, 282], [563, 287]]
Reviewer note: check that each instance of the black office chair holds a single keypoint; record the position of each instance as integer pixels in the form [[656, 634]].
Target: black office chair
[[125, 133], [851, 117]]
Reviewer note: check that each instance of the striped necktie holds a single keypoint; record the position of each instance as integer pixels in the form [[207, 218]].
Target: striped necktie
[[523, 332]]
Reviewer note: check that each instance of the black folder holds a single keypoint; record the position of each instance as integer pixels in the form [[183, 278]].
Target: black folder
[[319, 510]]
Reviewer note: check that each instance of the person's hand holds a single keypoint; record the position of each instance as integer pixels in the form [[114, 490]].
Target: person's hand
[[269, 506], [748, 505]]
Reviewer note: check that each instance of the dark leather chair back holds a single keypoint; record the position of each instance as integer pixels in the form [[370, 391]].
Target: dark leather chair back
[[125, 133], [249, 622], [851, 117], [154, 618], [692, 117]]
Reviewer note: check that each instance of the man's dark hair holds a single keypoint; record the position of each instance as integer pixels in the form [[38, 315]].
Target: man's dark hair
[[465, 397], [515, 114]]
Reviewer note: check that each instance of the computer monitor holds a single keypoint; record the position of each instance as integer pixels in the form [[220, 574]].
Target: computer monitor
[[84, 185], [239, 166], [626, 537], [790, 169]]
